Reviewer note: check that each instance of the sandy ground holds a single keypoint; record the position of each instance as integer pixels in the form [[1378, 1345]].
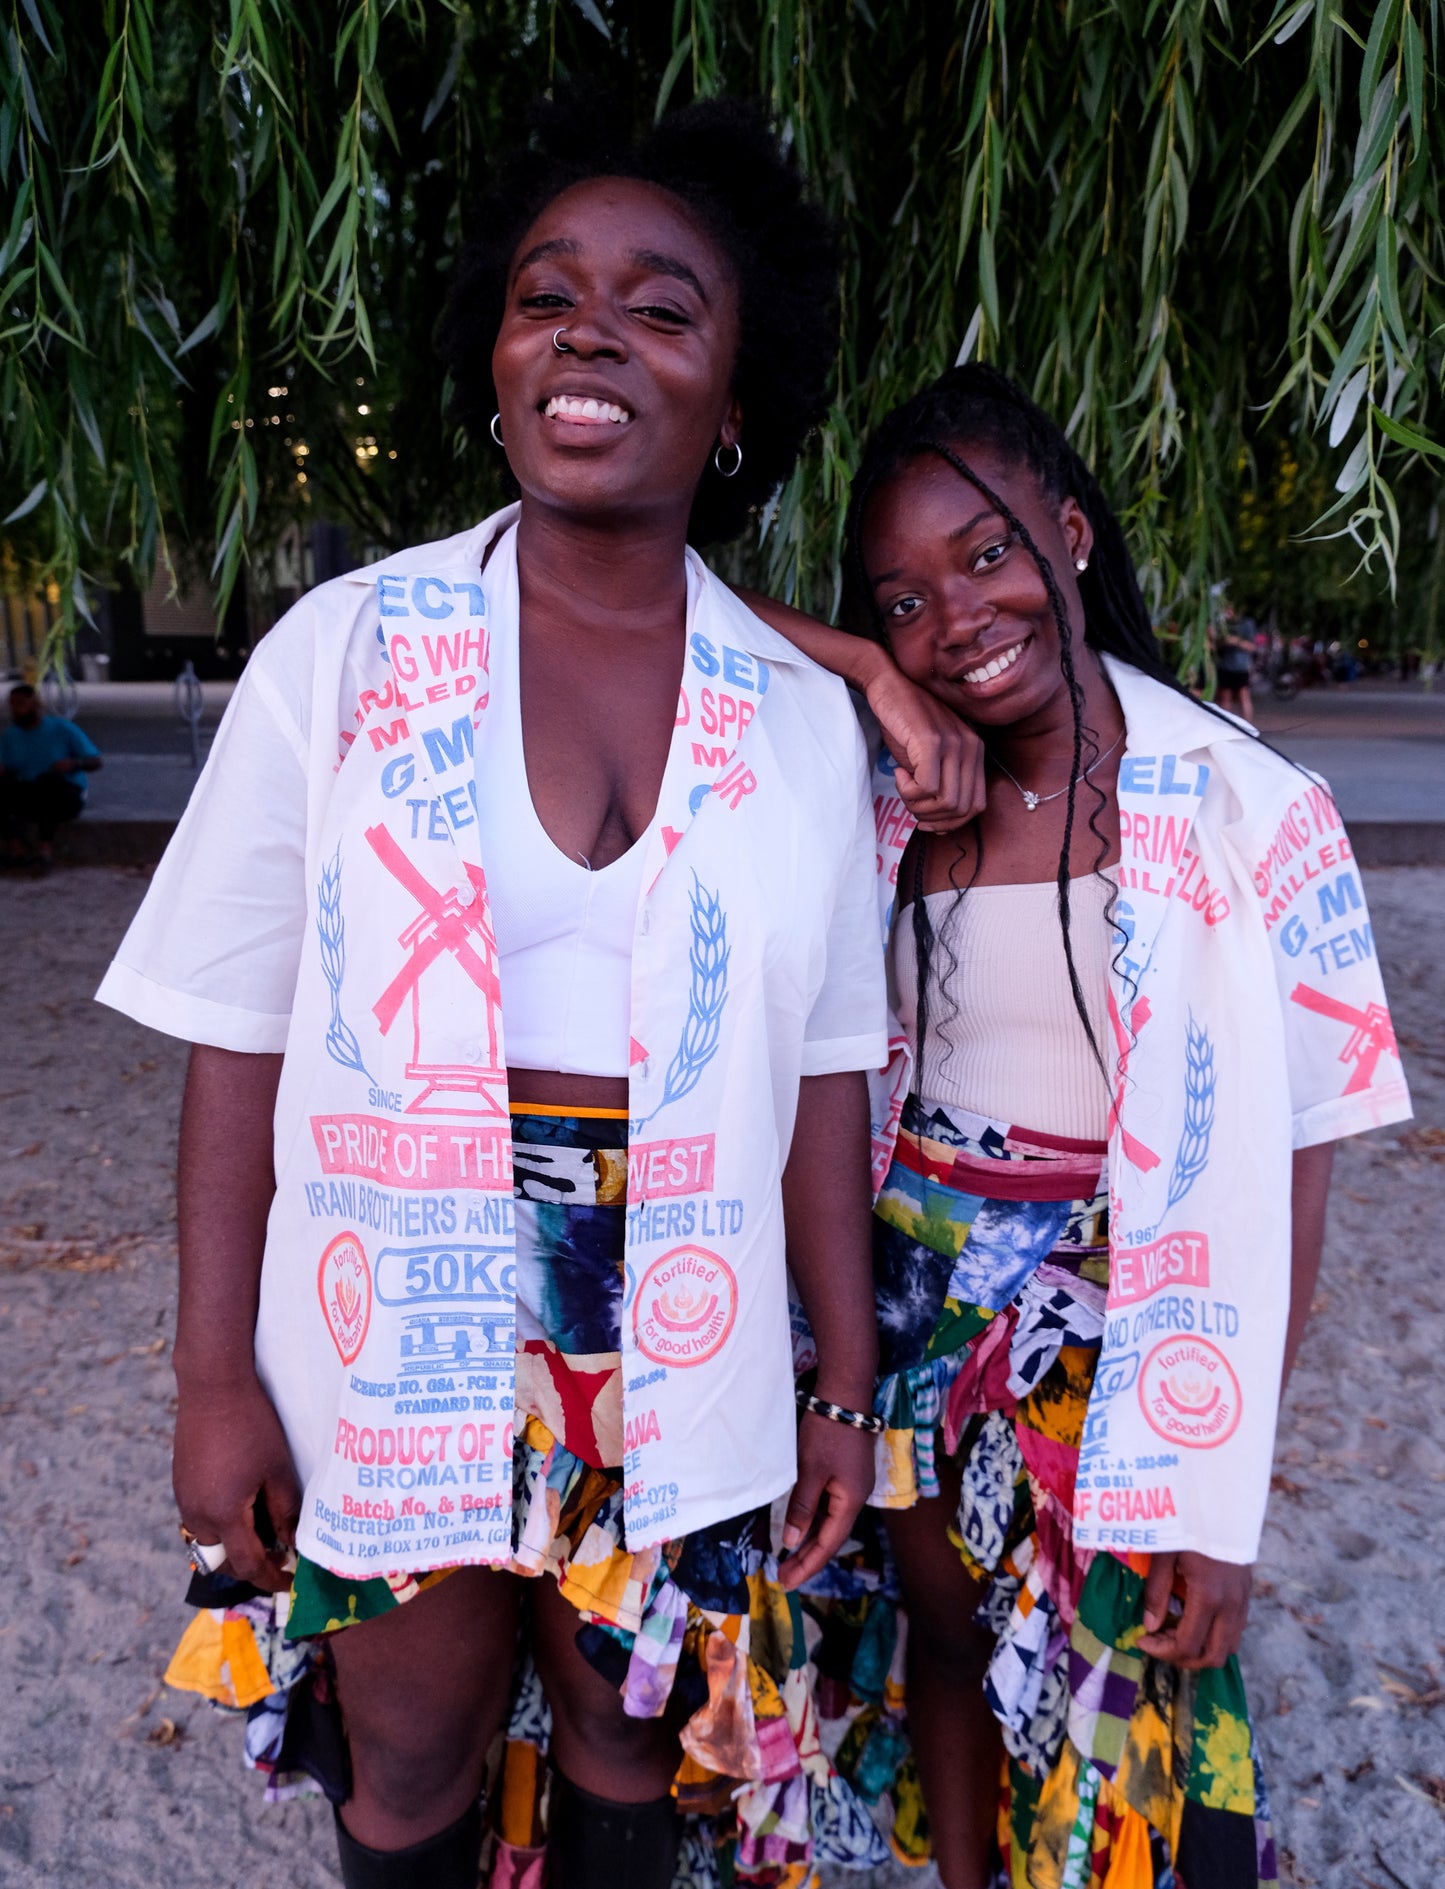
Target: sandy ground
[[107, 1779]]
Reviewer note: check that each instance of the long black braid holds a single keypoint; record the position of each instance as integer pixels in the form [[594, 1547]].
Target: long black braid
[[977, 403], [1082, 736]]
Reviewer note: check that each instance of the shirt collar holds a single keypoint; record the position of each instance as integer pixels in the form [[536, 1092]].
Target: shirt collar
[[1161, 718], [744, 626], [463, 549], [467, 548]]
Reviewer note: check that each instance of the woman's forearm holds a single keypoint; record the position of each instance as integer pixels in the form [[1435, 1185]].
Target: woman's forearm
[[853, 658], [828, 1213], [225, 1184], [940, 772], [1308, 1196]]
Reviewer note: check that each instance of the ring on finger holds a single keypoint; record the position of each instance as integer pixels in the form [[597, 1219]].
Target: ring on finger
[[205, 1556]]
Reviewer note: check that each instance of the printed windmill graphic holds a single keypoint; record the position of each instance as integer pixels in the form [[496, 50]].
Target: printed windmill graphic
[[1372, 1035], [452, 953]]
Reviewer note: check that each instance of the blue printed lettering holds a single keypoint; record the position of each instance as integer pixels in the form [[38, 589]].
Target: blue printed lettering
[[455, 799], [419, 597], [422, 1275], [704, 656], [1136, 774], [1167, 782], [398, 775], [445, 752], [1344, 949], [1334, 898], [1294, 937], [737, 668]]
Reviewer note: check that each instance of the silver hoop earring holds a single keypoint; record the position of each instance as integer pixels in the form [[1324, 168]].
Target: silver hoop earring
[[562, 347], [725, 472], [1081, 565], [497, 428]]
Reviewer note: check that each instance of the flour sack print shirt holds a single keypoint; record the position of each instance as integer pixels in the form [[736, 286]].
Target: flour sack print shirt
[[325, 897], [1248, 1019]]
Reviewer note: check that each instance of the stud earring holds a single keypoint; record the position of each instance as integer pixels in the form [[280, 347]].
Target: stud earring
[[497, 428], [1081, 565]]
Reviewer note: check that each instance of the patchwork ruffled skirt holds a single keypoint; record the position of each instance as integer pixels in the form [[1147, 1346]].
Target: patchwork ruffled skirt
[[701, 1621], [991, 1271]]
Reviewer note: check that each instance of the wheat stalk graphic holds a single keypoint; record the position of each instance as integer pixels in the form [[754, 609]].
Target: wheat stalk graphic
[[1192, 1155], [341, 1043], [702, 1029]]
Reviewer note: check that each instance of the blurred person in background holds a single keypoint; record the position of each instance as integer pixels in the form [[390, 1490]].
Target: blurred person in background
[[44, 760], [1234, 660]]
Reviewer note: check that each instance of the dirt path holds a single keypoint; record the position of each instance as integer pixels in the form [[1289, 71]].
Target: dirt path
[[106, 1779]]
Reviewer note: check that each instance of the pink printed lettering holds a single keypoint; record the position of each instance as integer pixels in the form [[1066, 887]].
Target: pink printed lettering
[[734, 787], [391, 736], [659, 1169], [892, 820], [1138, 1272], [393, 1155], [1136, 1505]]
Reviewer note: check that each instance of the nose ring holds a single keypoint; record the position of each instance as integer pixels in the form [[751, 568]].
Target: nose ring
[[560, 345]]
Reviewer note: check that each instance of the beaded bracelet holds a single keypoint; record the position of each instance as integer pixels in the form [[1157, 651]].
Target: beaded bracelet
[[839, 1413]]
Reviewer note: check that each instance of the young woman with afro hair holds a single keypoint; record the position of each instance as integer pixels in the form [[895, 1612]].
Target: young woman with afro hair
[[531, 1019]]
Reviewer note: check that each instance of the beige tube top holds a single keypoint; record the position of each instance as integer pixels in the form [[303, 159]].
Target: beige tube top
[[1004, 1038]]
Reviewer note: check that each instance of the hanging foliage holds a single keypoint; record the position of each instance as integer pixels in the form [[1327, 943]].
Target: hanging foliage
[[1202, 233]]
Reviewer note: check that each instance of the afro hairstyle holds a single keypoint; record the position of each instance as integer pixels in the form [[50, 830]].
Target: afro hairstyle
[[721, 159]]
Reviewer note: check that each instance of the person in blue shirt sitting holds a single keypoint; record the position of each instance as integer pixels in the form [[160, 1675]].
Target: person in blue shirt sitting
[[44, 760]]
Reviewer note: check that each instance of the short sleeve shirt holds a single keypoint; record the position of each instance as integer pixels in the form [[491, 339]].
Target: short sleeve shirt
[[301, 908]]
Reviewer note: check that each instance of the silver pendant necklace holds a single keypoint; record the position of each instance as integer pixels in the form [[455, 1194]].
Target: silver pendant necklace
[[1034, 801]]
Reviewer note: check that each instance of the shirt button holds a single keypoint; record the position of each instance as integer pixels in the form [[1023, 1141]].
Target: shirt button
[[466, 894]]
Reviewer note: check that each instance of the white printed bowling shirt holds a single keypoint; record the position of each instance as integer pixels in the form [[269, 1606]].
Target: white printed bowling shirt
[[324, 896], [1248, 1019]]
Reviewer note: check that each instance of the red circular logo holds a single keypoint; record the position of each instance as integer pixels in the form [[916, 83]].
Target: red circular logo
[[685, 1307], [1189, 1393], [343, 1280]]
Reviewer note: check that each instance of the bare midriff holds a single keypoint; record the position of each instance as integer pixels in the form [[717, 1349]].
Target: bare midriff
[[549, 1088]]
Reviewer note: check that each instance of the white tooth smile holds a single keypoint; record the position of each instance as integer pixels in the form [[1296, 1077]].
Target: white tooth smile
[[995, 668], [589, 412]]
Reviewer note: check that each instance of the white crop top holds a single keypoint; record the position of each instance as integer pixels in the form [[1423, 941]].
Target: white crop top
[[1004, 1038], [564, 932]]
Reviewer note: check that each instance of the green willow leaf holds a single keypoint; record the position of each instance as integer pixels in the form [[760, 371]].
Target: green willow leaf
[[1189, 229], [28, 504], [1377, 46], [1409, 436], [32, 13], [203, 329], [1414, 53]]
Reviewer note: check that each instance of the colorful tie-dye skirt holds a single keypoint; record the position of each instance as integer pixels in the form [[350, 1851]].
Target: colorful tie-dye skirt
[[991, 1271], [703, 1616]]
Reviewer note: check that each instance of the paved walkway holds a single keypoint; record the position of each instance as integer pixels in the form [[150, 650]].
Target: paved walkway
[[1381, 747], [108, 1779]]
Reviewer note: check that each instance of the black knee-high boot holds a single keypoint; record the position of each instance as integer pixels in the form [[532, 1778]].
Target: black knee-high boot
[[593, 1843], [449, 1860]]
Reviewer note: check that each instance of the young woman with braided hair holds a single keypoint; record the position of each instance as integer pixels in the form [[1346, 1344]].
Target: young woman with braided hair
[[1140, 1005]]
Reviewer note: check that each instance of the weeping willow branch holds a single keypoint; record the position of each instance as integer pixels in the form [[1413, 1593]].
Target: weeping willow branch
[[1205, 235]]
